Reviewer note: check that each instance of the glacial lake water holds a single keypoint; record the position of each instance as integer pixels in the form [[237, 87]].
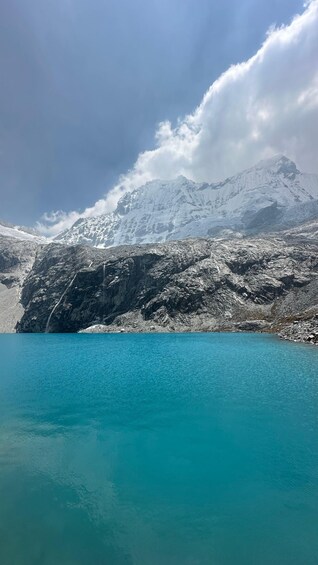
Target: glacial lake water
[[158, 450]]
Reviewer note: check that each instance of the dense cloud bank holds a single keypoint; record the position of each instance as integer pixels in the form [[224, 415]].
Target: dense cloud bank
[[263, 106]]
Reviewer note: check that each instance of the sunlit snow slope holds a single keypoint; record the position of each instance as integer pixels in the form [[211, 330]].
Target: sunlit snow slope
[[8, 230]]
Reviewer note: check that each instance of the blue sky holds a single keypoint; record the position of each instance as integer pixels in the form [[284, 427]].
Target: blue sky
[[84, 84]]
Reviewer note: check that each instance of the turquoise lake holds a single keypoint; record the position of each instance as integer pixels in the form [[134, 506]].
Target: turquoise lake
[[158, 450]]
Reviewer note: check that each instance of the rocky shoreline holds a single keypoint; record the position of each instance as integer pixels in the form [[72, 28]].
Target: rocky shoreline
[[301, 331]]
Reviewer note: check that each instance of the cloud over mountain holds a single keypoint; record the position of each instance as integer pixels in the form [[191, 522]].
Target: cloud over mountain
[[263, 106]]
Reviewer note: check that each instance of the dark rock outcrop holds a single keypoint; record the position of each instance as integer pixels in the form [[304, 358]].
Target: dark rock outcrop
[[199, 284]]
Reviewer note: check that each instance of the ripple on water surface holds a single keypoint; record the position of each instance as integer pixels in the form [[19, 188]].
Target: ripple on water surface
[[158, 449]]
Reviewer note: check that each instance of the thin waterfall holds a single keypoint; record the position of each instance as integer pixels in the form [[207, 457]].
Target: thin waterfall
[[47, 327], [104, 292]]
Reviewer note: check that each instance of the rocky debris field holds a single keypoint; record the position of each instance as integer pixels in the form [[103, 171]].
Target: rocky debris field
[[301, 330]]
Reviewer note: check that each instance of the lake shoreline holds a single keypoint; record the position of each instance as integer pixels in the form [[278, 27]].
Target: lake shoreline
[[302, 331]]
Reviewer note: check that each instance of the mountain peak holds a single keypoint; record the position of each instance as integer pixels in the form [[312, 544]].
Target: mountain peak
[[163, 210], [182, 178], [278, 164]]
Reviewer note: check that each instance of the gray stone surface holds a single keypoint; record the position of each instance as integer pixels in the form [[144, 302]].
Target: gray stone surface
[[11, 309], [303, 330], [254, 284], [16, 260]]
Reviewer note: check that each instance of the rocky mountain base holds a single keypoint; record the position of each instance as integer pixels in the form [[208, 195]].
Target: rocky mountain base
[[252, 284]]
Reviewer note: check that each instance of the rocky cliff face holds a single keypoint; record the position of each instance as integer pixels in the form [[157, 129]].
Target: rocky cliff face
[[199, 284]]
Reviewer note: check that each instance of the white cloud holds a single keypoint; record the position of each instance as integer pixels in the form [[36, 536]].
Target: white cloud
[[263, 106]]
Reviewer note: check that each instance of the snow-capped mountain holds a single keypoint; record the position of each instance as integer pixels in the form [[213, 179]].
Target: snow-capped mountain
[[272, 193], [21, 233]]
